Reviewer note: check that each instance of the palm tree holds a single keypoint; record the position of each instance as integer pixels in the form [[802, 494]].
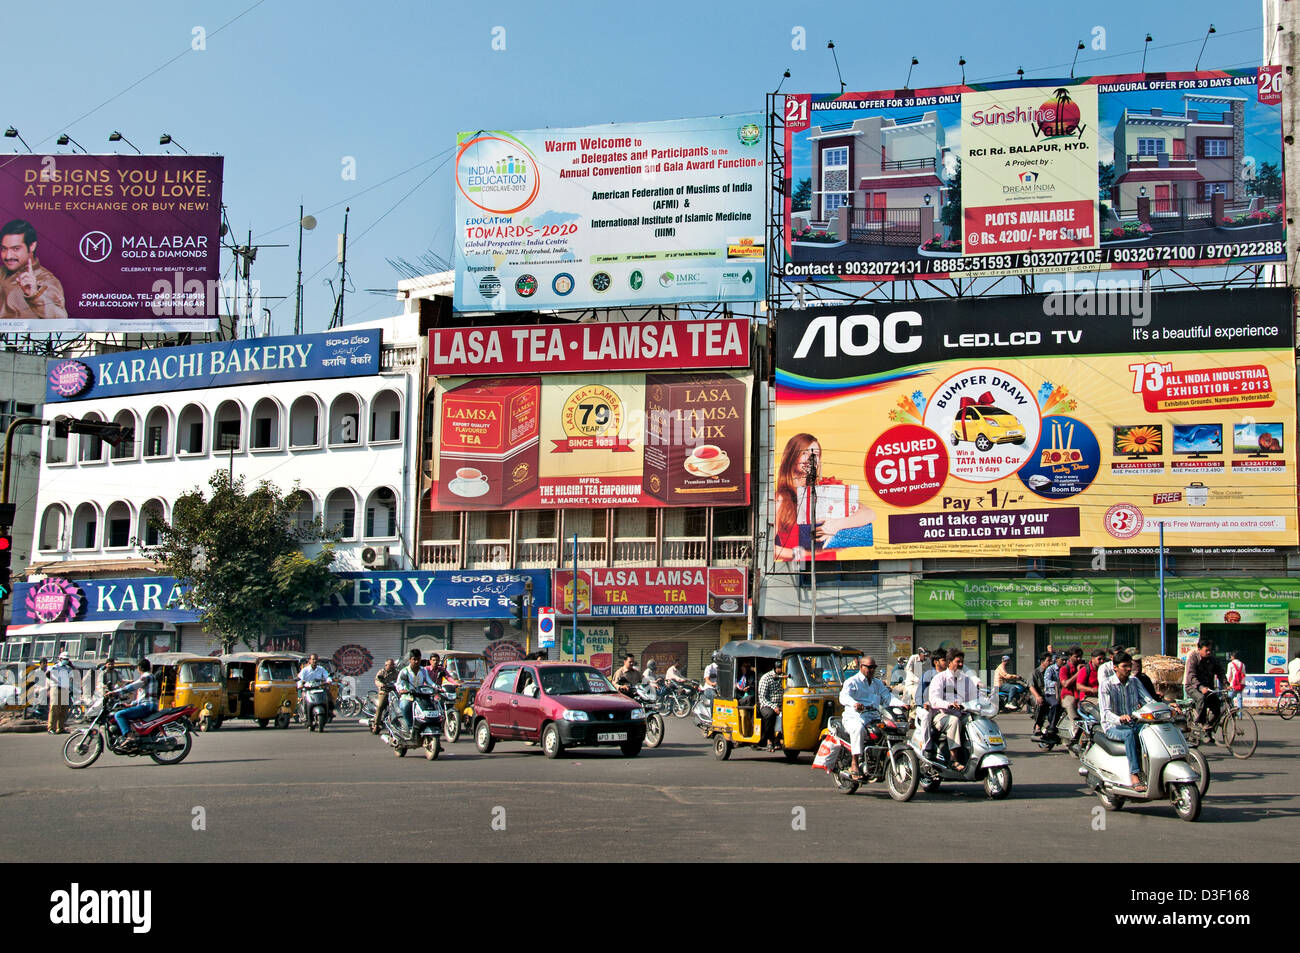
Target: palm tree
[[1062, 97]]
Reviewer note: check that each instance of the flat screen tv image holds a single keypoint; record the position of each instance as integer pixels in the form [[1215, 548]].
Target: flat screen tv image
[[1257, 440], [1198, 440], [1138, 441]]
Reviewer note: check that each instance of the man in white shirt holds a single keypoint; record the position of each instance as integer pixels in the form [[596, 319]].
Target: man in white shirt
[[313, 671], [1120, 697], [916, 666], [948, 691], [864, 698]]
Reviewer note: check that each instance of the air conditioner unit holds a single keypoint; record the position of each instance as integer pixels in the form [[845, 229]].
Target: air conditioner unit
[[375, 557]]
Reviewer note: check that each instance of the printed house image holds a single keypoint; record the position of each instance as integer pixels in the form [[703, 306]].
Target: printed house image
[[879, 180], [1169, 166]]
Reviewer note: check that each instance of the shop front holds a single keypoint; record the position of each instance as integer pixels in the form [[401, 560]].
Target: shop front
[[668, 615], [376, 616], [1253, 617]]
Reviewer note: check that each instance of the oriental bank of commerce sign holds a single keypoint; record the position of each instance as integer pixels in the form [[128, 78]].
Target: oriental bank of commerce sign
[[497, 173]]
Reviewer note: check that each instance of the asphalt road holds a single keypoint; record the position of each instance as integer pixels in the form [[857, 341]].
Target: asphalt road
[[270, 795]]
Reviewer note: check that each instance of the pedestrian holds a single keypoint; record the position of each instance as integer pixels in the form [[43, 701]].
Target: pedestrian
[[1236, 678], [60, 680], [1038, 689]]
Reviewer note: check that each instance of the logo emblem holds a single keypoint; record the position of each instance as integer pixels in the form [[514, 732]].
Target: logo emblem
[[562, 283], [601, 281], [95, 246], [749, 133], [497, 173], [489, 286], [666, 279], [636, 280], [526, 286], [53, 600], [69, 378], [1123, 521]]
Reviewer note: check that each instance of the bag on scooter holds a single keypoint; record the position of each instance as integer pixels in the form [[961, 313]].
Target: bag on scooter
[[826, 752]]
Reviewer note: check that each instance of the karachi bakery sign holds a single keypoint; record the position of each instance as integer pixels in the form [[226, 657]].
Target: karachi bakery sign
[[652, 591], [344, 353]]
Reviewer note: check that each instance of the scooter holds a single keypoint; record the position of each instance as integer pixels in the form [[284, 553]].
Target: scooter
[[1164, 758], [429, 717], [983, 759], [315, 704]]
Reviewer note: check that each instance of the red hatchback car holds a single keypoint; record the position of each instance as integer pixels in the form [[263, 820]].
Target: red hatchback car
[[560, 704]]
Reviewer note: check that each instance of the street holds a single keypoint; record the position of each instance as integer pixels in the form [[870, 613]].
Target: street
[[246, 794]]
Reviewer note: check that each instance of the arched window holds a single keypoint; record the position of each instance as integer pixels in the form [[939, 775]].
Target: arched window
[[381, 514], [157, 432], [385, 417], [90, 449], [126, 449], [345, 421], [189, 430], [228, 427], [85, 527], [117, 526], [54, 526], [341, 512], [265, 427], [147, 534], [56, 448], [305, 511], [304, 423]]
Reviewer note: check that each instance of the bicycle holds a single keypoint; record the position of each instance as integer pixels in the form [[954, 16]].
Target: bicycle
[[1288, 703], [1235, 730]]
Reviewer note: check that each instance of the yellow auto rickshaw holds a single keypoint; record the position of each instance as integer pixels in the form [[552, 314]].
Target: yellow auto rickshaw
[[465, 673], [187, 678], [262, 686], [811, 679]]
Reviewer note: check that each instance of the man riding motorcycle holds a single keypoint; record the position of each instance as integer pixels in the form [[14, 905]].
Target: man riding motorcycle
[[864, 698], [412, 678], [146, 702]]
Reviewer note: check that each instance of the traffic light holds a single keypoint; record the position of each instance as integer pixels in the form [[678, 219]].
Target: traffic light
[[6, 548], [517, 611], [111, 434]]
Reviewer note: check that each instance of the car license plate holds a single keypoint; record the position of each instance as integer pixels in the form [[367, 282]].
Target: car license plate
[[612, 736]]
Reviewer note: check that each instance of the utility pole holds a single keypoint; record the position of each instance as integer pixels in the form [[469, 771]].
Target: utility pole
[[811, 482]]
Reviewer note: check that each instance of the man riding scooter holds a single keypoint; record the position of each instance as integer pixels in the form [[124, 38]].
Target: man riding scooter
[[948, 692], [313, 671], [412, 678]]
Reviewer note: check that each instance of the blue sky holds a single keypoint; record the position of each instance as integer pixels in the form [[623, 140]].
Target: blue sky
[[288, 90]]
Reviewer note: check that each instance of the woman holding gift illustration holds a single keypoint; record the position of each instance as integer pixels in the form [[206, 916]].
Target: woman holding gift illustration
[[802, 453]]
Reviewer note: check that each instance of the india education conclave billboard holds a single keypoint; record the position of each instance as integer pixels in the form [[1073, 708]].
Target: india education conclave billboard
[[610, 216], [109, 243]]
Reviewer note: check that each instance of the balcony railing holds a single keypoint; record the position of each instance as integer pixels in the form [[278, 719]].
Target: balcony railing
[[399, 357], [489, 554], [439, 554], [1163, 160], [685, 551], [538, 553], [732, 550], [905, 165], [634, 551]]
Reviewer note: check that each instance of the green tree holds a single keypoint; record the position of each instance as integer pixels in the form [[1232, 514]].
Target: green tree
[[239, 557], [801, 200], [1105, 179], [1267, 181], [950, 215]]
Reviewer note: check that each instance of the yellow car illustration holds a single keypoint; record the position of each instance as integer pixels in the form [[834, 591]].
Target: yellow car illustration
[[985, 426]]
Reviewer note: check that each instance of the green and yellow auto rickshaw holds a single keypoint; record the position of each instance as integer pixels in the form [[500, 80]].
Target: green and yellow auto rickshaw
[[811, 679], [465, 673]]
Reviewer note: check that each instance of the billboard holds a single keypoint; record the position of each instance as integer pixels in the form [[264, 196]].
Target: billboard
[[110, 243], [343, 353], [1044, 176], [548, 349], [1037, 424], [652, 591], [671, 438], [611, 216]]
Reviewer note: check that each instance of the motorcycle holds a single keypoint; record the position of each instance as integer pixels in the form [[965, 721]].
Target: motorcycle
[[427, 712], [983, 758], [349, 706], [885, 756], [1014, 696], [683, 695], [313, 704], [1164, 758], [656, 705], [166, 736]]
